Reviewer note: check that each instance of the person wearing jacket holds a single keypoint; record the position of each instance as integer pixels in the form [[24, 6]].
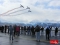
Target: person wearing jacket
[[37, 31], [5, 28], [56, 31], [33, 31], [14, 30], [22, 29], [48, 33], [18, 30], [11, 32], [29, 30], [25, 29], [2, 29], [42, 30]]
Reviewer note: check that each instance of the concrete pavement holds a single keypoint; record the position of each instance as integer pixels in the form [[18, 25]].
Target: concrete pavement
[[24, 40]]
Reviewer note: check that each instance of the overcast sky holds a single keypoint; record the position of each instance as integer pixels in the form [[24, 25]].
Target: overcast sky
[[41, 10]]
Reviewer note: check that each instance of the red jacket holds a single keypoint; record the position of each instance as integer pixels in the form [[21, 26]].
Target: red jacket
[[17, 28]]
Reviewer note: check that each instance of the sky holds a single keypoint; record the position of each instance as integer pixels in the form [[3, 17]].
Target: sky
[[40, 10]]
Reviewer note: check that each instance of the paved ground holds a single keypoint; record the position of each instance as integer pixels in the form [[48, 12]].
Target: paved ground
[[24, 40]]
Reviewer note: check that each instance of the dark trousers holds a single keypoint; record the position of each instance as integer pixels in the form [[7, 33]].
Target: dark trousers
[[47, 36], [14, 33], [33, 34], [5, 30], [11, 36], [2, 31], [17, 33], [56, 33]]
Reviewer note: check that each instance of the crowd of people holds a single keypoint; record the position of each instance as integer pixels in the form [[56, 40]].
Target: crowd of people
[[14, 30]]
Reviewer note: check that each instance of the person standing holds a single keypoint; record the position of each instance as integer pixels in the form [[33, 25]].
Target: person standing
[[42, 29], [50, 30], [2, 29], [21, 29], [5, 28], [37, 31], [47, 33], [25, 30], [8, 29], [29, 30], [18, 30], [11, 32], [14, 30], [33, 31], [56, 31]]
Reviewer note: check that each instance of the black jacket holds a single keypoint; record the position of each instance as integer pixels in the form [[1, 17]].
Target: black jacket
[[37, 29], [47, 30]]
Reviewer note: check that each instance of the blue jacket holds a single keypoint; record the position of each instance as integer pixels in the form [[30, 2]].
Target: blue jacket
[[11, 29]]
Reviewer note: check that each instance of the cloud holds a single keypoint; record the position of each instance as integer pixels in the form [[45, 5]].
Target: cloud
[[1, 2], [54, 3], [41, 10], [15, 1]]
